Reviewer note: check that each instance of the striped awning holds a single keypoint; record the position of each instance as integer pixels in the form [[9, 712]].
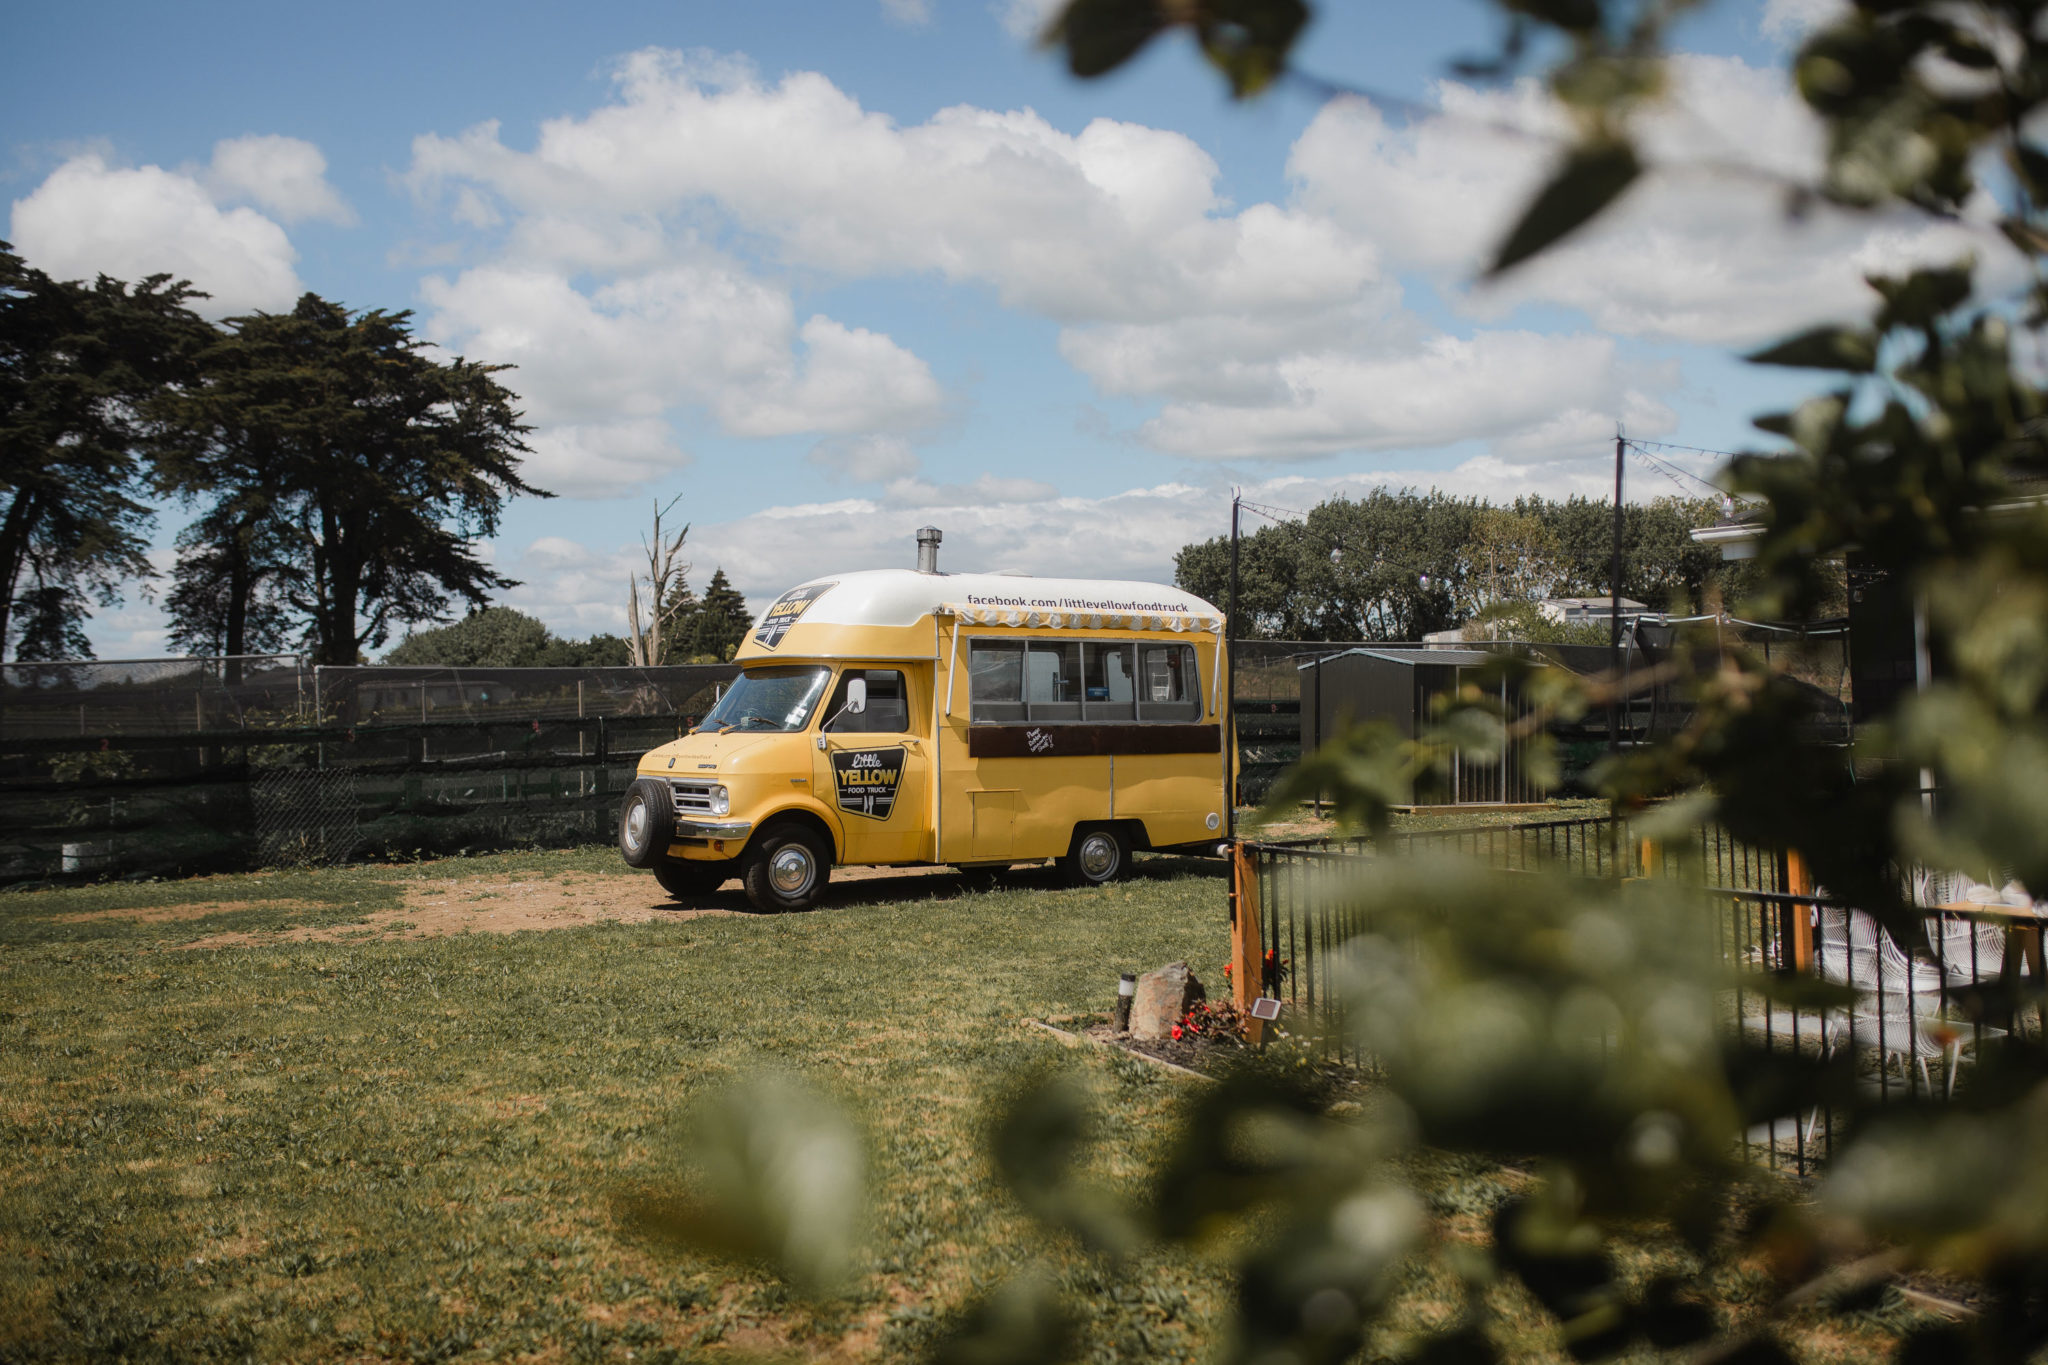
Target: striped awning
[[1042, 618]]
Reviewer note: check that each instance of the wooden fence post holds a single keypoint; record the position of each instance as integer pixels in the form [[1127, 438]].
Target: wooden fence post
[[1649, 858], [1795, 923], [1247, 950]]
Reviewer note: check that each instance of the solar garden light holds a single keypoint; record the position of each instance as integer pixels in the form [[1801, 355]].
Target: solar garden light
[[1126, 988]]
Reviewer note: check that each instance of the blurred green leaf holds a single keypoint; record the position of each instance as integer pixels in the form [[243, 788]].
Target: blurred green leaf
[[1563, 1263], [1592, 177], [1853, 349], [1573, 16], [1365, 771], [1308, 1293], [1255, 1138], [781, 1180], [1919, 299], [2030, 165], [1776, 1082], [1101, 35], [1249, 40], [1024, 1322], [1038, 1141]]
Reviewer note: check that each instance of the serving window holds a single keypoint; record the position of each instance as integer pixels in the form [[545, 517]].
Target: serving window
[[1072, 681]]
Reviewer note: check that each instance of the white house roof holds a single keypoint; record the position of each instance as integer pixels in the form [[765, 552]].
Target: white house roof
[[902, 597]]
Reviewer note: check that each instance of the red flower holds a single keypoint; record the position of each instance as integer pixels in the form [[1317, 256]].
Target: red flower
[[1176, 1032]]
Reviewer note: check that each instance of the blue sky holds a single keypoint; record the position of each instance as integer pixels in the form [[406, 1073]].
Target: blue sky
[[832, 271]]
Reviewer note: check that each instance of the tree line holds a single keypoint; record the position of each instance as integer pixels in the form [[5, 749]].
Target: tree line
[[707, 629], [339, 477], [1397, 565]]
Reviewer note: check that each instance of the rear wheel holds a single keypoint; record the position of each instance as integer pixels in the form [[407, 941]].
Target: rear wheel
[[786, 870], [1098, 856], [688, 880]]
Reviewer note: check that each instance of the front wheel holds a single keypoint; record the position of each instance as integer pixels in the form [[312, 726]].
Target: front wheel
[[1098, 857], [786, 870], [647, 823], [690, 880]]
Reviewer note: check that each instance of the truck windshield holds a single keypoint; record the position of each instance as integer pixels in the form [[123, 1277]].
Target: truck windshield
[[769, 699]]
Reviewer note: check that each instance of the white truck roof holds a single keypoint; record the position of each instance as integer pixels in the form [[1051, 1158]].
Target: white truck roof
[[902, 597]]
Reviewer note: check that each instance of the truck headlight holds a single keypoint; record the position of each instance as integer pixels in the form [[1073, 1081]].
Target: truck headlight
[[721, 801]]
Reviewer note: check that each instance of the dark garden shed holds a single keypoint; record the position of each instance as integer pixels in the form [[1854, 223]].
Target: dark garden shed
[[1401, 687]]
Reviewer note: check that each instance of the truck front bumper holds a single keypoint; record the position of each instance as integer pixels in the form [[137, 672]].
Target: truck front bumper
[[713, 829]]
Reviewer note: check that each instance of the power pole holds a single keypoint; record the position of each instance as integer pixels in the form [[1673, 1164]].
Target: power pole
[[1614, 609], [1229, 717]]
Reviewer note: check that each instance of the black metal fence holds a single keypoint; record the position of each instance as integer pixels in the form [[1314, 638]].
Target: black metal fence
[[1909, 1019]]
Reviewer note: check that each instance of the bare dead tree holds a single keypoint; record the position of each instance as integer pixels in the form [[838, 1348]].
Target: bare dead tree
[[647, 631]]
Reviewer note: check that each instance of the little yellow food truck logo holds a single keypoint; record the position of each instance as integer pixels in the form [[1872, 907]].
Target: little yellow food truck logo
[[867, 780], [776, 621]]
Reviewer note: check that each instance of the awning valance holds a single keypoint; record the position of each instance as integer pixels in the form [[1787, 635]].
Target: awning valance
[[1045, 618]]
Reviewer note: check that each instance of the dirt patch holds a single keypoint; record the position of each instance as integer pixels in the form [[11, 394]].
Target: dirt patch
[[489, 905], [1305, 825]]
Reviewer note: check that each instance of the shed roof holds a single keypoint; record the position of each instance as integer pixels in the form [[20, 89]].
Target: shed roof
[[1463, 658]]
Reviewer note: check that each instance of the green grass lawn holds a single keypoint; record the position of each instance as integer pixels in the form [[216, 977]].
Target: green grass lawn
[[411, 1149]]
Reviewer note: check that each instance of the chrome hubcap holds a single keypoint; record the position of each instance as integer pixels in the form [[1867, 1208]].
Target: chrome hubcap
[[636, 824], [792, 869], [1098, 856]]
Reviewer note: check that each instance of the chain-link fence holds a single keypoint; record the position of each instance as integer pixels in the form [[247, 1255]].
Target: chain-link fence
[[384, 695], [152, 696], [304, 817]]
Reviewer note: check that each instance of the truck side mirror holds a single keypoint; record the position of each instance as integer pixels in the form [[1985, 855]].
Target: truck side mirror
[[856, 696]]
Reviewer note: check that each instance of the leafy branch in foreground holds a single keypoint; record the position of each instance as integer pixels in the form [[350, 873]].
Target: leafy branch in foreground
[[1580, 1027]]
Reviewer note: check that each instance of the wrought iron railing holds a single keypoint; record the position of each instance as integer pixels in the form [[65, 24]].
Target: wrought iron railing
[[1909, 1018]]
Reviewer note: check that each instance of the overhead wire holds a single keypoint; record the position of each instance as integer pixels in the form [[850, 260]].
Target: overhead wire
[[1675, 472]]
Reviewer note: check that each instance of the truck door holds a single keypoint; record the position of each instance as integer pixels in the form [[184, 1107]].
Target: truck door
[[874, 768]]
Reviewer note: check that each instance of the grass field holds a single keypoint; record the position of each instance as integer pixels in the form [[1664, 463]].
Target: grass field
[[372, 1146]]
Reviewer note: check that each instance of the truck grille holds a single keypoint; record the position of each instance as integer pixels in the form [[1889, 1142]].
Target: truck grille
[[692, 798]]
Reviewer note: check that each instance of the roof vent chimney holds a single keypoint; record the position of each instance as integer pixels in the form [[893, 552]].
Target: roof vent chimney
[[928, 549]]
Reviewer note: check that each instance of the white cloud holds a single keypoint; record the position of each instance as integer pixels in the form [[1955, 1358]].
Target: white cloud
[[1689, 253], [1273, 331], [1503, 386], [602, 459], [285, 175], [989, 490], [1025, 20], [866, 459], [89, 217], [1119, 222], [613, 361], [909, 13], [1119, 232], [1788, 21]]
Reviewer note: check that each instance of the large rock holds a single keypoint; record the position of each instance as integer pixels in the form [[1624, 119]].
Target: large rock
[[1163, 1000]]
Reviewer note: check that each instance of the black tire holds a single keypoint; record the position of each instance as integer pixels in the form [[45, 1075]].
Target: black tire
[[690, 880], [786, 869], [647, 823], [1099, 855]]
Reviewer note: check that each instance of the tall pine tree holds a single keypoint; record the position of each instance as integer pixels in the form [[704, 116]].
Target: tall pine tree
[[721, 621], [79, 366], [347, 476]]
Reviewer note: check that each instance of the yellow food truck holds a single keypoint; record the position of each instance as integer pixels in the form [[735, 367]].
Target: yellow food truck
[[903, 717]]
